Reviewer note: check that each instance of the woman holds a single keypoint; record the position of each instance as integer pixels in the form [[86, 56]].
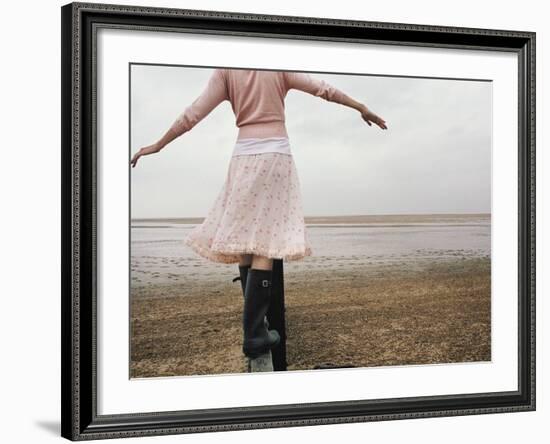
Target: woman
[[258, 214]]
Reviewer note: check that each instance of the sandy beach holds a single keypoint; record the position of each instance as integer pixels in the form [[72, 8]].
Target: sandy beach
[[422, 299]]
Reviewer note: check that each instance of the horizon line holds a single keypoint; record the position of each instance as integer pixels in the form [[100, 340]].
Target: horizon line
[[337, 215]]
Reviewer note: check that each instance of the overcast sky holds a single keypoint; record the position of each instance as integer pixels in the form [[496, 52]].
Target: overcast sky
[[435, 156]]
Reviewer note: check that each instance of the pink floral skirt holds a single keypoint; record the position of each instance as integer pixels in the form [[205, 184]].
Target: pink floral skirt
[[258, 211]]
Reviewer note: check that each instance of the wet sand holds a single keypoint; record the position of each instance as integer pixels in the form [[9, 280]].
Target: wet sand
[[424, 310]]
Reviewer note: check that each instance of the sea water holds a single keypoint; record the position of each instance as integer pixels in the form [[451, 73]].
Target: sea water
[[159, 255]]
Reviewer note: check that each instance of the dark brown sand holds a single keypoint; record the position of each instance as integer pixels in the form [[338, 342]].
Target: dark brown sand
[[435, 312]]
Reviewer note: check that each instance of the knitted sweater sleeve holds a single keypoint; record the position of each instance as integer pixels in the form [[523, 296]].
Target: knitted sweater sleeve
[[320, 88], [213, 94]]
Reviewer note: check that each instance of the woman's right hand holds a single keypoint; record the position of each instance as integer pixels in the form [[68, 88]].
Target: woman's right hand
[[151, 149]]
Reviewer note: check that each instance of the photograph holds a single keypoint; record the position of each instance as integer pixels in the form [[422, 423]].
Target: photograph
[[275, 221], [355, 206]]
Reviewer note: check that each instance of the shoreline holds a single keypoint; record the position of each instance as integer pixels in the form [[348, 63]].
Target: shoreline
[[345, 219]]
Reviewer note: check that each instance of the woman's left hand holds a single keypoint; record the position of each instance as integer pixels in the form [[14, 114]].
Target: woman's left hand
[[369, 117], [151, 149]]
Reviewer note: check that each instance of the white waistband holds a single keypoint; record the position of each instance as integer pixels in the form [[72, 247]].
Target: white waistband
[[262, 145]]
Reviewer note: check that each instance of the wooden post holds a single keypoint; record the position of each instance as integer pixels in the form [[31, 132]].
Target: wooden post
[[276, 315], [263, 363]]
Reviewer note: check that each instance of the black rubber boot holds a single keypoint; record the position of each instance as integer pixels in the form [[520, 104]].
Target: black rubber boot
[[243, 274], [257, 338]]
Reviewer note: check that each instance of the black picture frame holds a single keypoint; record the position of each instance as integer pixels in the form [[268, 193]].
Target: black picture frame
[[79, 418]]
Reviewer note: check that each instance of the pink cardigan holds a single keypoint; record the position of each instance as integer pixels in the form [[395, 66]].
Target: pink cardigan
[[257, 100]]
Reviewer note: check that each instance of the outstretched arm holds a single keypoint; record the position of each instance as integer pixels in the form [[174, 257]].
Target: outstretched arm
[[320, 88], [214, 94]]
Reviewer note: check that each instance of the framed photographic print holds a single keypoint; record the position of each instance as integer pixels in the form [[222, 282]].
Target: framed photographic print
[[275, 221]]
